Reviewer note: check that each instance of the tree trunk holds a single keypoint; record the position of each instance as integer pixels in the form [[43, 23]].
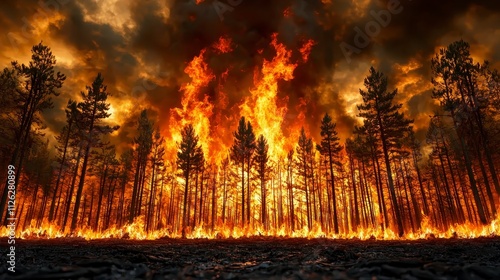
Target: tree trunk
[[84, 168], [101, 194], [186, 185], [243, 193], [63, 160], [72, 188]]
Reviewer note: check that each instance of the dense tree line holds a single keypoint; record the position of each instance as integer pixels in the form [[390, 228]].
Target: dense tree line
[[380, 178]]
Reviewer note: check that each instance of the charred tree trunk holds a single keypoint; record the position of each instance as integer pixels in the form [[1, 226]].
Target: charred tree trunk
[[71, 188], [63, 161]]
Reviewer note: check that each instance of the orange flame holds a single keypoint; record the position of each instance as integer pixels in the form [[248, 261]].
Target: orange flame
[[136, 231], [261, 107], [196, 108], [223, 45], [305, 50]]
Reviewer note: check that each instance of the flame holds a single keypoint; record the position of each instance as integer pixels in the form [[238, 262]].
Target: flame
[[261, 107], [195, 107], [223, 45], [305, 50], [136, 231]]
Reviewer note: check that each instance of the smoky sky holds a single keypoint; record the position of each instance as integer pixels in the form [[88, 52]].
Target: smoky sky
[[143, 47]]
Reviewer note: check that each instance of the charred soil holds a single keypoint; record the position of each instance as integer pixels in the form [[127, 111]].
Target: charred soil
[[256, 258]]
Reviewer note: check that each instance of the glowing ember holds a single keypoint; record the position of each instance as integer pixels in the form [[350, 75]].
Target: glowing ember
[[223, 45]]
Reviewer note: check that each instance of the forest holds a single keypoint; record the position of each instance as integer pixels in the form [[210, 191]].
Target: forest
[[381, 182]]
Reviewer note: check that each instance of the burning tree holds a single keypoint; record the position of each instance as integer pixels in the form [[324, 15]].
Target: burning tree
[[32, 87], [261, 160], [143, 143], [330, 148], [457, 87], [189, 157], [94, 109], [241, 153], [384, 119]]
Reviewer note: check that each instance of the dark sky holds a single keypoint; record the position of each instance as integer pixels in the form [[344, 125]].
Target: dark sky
[[143, 47]]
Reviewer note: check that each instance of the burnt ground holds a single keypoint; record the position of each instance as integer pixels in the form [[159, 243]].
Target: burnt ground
[[255, 258]]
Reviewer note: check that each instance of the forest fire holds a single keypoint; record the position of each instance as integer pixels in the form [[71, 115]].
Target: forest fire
[[258, 128], [222, 187], [261, 107], [136, 231]]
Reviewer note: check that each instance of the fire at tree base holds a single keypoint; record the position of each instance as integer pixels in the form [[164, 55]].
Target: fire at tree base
[[135, 231]]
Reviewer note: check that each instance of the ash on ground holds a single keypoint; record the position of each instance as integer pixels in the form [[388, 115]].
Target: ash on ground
[[256, 258]]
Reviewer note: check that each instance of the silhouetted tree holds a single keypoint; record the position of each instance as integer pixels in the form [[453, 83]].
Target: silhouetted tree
[[350, 149], [290, 165], [250, 146], [94, 109], [261, 159], [10, 84], [241, 153], [104, 159], [304, 154], [126, 162], [143, 144], [189, 156], [63, 139], [330, 148], [39, 173], [445, 90], [39, 82], [474, 97], [157, 154], [387, 122]]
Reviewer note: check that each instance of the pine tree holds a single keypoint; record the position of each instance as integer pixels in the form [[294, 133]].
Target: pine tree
[[350, 150], [10, 84], [250, 146], [444, 65], [189, 156], [39, 173], [238, 156], [143, 142], [104, 159], [387, 122], [330, 148], [467, 75], [64, 140], [94, 109], [34, 95], [126, 160], [261, 159], [241, 153], [290, 165], [304, 154], [157, 154]]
